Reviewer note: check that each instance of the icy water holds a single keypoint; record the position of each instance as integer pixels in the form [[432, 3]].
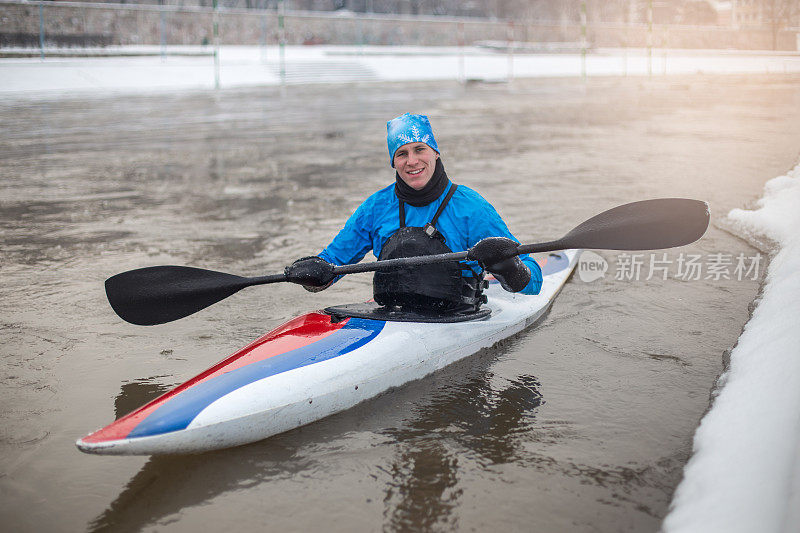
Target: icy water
[[581, 424]]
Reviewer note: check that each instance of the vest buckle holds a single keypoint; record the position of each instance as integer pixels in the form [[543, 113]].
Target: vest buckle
[[430, 230]]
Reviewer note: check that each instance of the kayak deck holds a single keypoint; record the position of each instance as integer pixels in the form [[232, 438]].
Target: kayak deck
[[374, 311]]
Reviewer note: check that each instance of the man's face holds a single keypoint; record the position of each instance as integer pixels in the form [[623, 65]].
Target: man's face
[[415, 163]]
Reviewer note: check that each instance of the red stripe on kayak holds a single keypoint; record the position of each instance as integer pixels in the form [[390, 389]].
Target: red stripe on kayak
[[296, 333]]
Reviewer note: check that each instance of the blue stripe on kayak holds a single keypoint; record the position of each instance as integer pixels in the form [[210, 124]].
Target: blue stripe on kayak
[[555, 263], [179, 412]]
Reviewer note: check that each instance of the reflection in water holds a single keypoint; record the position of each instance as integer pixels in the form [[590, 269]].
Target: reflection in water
[[166, 485], [422, 494], [474, 423], [483, 420], [469, 415], [135, 394]]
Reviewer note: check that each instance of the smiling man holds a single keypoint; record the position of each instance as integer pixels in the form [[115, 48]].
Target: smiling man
[[423, 213]]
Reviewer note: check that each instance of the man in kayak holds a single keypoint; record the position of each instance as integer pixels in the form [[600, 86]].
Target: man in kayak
[[423, 213]]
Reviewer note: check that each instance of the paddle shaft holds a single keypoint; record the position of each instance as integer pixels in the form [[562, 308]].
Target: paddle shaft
[[438, 258], [371, 267], [401, 262]]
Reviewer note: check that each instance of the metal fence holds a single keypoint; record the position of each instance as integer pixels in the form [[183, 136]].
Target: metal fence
[[47, 25]]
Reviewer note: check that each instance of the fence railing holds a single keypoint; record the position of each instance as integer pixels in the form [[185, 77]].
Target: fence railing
[[69, 24]]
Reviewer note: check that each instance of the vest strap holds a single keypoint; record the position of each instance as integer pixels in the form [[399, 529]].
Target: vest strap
[[444, 203], [430, 227]]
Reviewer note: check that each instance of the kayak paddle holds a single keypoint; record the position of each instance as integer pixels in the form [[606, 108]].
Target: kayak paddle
[[160, 294]]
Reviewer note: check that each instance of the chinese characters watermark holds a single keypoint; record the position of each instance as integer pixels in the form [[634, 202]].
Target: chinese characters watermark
[[660, 266]]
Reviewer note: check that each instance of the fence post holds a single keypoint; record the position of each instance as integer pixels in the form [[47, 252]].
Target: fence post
[[264, 36], [510, 51], [650, 38], [583, 39], [625, 58], [360, 33], [462, 77], [282, 45], [162, 30], [41, 31], [216, 45]]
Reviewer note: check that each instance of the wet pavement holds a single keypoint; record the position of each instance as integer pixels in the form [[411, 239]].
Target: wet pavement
[[581, 424]]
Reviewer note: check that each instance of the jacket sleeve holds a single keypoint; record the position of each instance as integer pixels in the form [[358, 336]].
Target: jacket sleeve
[[354, 240], [487, 223]]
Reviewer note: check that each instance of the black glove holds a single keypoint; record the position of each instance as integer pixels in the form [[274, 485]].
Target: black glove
[[313, 273], [498, 255]]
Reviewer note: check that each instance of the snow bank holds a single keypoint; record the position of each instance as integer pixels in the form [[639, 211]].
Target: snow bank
[[187, 68], [744, 475]]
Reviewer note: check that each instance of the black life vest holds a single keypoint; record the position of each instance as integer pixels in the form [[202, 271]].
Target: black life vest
[[437, 288]]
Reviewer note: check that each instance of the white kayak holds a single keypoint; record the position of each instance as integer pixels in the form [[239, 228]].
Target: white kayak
[[314, 366]]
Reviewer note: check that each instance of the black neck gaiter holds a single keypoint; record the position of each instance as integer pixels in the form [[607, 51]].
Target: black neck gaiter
[[430, 192]]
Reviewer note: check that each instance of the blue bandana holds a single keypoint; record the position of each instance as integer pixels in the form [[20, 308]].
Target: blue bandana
[[406, 129]]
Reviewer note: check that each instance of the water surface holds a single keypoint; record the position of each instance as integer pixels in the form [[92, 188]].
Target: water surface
[[581, 424]]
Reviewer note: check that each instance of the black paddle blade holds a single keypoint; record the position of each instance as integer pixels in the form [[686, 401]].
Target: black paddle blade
[[645, 225], [155, 295]]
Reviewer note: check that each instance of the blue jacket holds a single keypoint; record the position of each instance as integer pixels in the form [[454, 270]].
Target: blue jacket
[[467, 219]]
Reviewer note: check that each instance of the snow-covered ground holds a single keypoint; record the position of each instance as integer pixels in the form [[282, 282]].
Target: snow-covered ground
[[744, 475], [247, 66]]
